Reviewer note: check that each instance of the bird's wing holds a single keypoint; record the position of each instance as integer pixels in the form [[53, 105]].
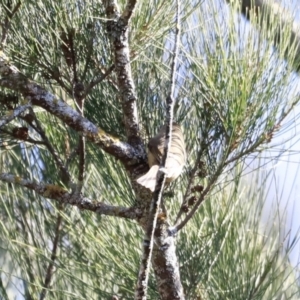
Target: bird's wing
[[149, 179]]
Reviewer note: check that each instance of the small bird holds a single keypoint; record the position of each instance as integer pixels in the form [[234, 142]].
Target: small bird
[[176, 157]]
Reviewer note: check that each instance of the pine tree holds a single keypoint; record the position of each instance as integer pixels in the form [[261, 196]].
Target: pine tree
[[84, 85]]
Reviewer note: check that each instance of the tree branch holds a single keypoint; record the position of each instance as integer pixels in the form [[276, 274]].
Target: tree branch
[[50, 269], [117, 27], [127, 13], [266, 137], [53, 73], [81, 153], [61, 195], [80, 100], [81, 163], [204, 193], [13, 114], [94, 82], [12, 79], [189, 186]]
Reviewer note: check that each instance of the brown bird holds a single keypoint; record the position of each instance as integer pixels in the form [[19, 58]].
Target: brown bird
[[176, 157]]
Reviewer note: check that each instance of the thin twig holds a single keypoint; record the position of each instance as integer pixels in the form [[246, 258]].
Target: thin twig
[[142, 284], [61, 195], [44, 63], [96, 81], [71, 156], [27, 140], [201, 199], [225, 162], [50, 269], [127, 13], [190, 183], [81, 163], [7, 20], [66, 177], [26, 255], [73, 53], [56, 76], [90, 49], [81, 150]]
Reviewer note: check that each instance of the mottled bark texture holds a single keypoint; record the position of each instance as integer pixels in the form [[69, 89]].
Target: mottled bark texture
[[117, 28]]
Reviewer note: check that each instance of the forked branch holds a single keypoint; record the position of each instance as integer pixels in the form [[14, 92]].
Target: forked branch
[[12, 79]]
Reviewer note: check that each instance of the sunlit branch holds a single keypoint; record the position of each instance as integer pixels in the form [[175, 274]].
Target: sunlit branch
[[61, 195], [117, 28]]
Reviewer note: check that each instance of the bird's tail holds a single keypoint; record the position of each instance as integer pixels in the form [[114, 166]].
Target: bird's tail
[[149, 179]]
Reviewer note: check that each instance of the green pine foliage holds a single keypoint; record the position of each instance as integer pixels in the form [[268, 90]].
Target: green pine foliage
[[233, 90]]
